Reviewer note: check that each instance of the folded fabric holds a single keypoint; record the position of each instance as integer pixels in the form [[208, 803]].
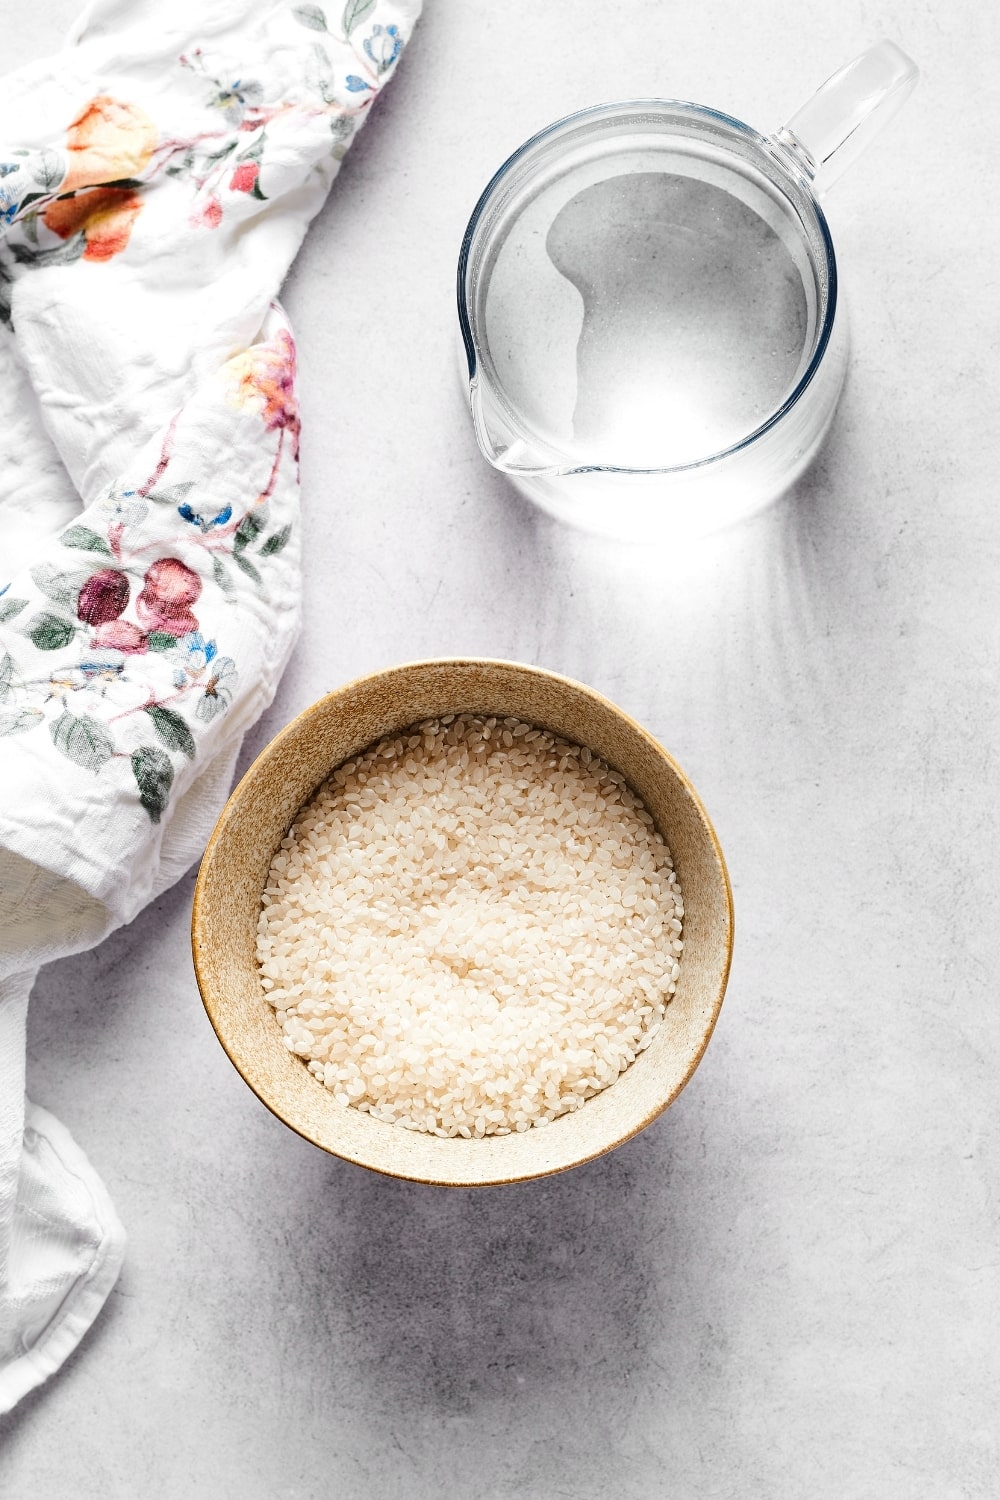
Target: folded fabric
[[162, 172]]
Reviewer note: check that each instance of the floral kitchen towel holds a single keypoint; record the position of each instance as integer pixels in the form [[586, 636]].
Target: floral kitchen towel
[[157, 180]]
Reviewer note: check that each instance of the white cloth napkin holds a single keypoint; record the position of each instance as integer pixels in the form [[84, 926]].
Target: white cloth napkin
[[156, 180]]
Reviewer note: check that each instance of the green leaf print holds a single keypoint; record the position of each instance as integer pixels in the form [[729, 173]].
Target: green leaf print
[[85, 540], [247, 566], [172, 730], [158, 640], [155, 775], [7, 670], [276, 542], [18, 722], [214, 157], [248, 531], [11, 607], [355, 12], [50, 632], [61, 588], [311, 16], [48, 170], [255, 150], [170, 494], [82, 740], [221, 577], [62, 255], [319, 72]]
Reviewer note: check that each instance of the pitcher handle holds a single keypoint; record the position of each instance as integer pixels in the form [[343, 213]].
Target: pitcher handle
[[833, 128]]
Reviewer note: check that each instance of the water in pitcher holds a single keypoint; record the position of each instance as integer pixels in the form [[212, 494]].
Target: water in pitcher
[[643, 318]]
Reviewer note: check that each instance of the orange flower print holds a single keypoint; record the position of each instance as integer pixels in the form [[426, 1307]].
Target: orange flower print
[[108, 141], [104, 214]]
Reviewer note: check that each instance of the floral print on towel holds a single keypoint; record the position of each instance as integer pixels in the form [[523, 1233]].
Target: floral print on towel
[[84, 194], [81, 199], [136, 632], [122, 612]]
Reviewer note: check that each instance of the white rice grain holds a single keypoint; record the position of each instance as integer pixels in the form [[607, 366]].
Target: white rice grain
[[471, 928]]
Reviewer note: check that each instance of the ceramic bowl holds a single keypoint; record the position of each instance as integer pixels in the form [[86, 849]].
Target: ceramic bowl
[[263, 807]]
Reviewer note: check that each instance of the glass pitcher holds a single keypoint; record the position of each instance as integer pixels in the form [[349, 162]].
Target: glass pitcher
[[649, 304]]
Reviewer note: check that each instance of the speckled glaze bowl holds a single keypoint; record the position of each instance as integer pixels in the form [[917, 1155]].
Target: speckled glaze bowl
[[263, 807]]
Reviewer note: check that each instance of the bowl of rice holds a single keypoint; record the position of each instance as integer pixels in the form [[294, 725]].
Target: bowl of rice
[[464, 922]]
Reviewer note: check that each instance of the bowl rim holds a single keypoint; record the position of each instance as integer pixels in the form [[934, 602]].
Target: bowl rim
[[287, 732]]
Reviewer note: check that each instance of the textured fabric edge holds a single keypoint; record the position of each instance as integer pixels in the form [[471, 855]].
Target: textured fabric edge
[[82, 1303]]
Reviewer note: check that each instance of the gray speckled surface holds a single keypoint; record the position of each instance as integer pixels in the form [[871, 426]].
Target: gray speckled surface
[[788, 1285]]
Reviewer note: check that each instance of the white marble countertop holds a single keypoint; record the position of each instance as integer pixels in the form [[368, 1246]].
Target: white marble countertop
[[787, 1286]]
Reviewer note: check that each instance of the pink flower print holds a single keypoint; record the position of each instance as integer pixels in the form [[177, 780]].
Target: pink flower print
[[207, 214], [122, 635], [170, 587], [103, 597], [264, 381], [245, 177]]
